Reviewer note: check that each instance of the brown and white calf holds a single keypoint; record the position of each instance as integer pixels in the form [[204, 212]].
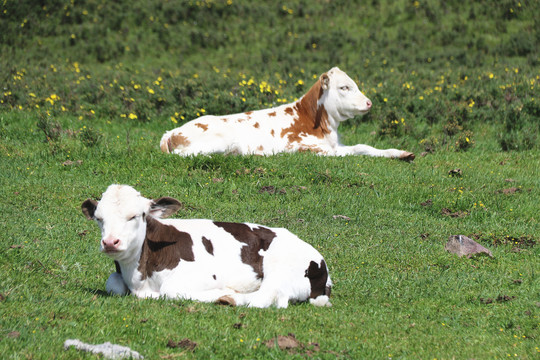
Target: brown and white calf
[[309, 124], [204, 260]]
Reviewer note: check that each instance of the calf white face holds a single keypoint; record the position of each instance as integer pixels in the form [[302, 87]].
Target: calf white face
[[121, 216], [341, 96]]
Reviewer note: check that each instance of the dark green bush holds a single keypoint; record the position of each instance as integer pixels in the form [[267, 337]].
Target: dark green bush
[[89, 136], [50, 128]]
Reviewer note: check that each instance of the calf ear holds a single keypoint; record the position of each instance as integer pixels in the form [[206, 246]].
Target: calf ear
[[89, 208], [164, 207], [325, 80]]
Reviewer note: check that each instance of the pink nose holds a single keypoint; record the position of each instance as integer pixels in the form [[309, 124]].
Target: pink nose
[[368, 104], [110, 244]]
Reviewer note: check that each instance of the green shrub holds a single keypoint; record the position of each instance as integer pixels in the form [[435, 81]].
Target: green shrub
[[463, 140], [50, 128], [89, 136], [520, 128]]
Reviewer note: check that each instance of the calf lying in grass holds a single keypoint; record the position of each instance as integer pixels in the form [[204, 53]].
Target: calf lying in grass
[[309, 124], [204, 260]]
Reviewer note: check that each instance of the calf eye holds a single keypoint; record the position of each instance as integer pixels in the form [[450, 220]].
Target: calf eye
[[344, 88], [132, 218]]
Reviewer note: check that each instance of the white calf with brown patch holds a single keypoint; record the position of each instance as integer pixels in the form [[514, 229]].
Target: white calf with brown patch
[[309, 124], [204, 260]]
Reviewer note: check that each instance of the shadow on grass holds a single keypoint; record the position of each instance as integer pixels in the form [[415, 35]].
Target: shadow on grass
[[99, 292]]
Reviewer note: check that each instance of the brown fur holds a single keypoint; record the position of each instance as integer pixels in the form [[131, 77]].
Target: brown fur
[[174, 142], [318, 276], [208, 245], [163, 248], [256, 240], [311, 120], [272, 114], [226, 300], [89, 208], [202, 126]]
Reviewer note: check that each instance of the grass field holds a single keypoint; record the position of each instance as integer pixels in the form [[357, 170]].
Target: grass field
[[88, 88]]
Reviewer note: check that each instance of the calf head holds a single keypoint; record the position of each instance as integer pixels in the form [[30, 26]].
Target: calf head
[[341, 97], [121, 215]]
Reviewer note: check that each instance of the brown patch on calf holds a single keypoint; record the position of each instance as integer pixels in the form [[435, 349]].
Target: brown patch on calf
[[165, 146], [88, 208], [255, 239], [260, 148], [226, 300], [318, 276], [204, 127], [273, 132], [312, 119], [272, 114], [176, 141], [163, 248], [256, 125], [208, 245]]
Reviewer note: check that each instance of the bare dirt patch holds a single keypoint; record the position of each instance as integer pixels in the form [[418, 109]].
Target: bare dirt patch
[[453, 214], [292, 345], [183, 344], [499, 299], [509, 191], [428, 202]]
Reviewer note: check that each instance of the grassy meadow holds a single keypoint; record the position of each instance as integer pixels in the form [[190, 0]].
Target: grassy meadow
[[89, 87]]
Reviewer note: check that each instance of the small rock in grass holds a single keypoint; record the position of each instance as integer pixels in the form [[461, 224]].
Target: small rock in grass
[[341, 217], [462, 245], [108, 350]]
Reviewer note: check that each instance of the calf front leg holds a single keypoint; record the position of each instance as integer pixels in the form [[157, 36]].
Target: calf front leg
[[362, 149], [115, 285]]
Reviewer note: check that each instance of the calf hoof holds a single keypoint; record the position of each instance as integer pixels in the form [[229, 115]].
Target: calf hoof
[[226, 300], [407, 156]]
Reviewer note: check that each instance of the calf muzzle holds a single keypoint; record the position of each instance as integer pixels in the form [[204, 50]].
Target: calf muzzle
[[110, 244]]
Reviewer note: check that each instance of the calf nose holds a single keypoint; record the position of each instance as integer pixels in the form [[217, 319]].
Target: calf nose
[[368, 104], [110, 244]]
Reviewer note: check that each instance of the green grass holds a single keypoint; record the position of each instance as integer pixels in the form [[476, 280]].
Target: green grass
[[452, 72]]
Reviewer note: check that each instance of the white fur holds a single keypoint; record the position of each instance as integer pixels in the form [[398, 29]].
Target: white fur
[[262, 132], [122, 214]]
